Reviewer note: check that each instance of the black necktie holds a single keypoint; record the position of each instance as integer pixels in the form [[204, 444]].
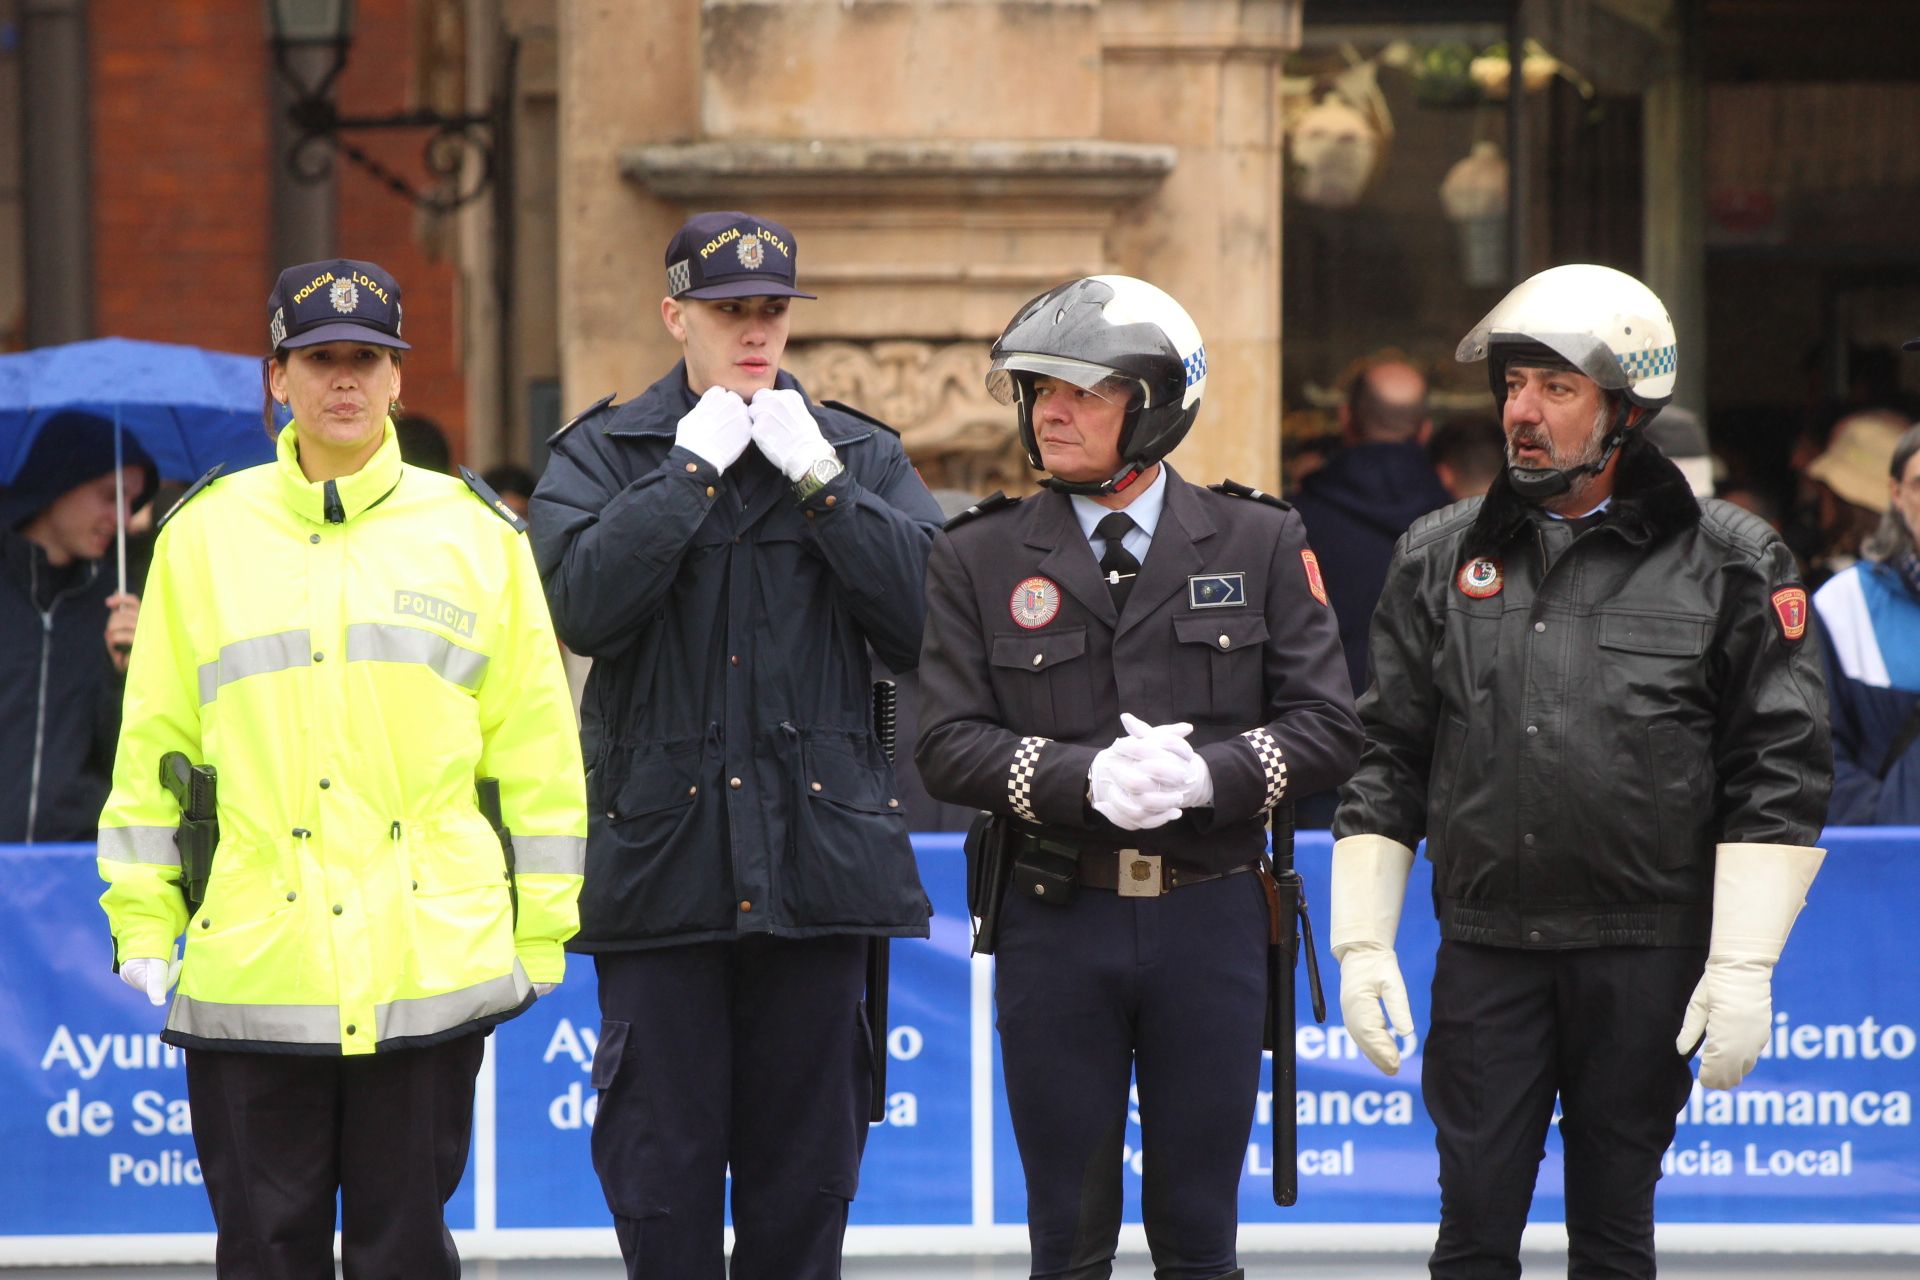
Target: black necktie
[[1117, 566]]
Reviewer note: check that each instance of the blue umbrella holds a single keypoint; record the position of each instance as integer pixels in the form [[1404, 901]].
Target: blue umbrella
[[188, 407]]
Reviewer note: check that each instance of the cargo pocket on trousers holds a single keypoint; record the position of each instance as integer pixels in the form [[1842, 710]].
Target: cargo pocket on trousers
[[620, 1116], [607, 1054]]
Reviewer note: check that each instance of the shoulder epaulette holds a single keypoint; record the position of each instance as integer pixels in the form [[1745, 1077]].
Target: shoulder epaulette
[[493, 500], [583, 415], [1234, 489], [858, 413], [188, 496], [994, 501]]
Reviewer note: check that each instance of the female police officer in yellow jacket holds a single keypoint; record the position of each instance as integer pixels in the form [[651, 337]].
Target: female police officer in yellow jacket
[[350, 643]]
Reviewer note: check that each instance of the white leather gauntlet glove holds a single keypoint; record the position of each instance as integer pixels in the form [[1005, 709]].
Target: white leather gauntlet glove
[[786, 432], [717, 428], [1369, 888], [150, 975], [1196, 783], [1135, 784], [1758, 890]]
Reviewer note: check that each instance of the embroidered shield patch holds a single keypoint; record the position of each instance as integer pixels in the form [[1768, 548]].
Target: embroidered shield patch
[[1315, 583], [1790, 606], [1480, 578], [1035, 602]]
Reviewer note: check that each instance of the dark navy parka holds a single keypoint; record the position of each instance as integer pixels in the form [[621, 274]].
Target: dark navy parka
[[734, 783]]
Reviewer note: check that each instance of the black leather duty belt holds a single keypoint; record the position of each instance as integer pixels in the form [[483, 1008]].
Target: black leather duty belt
[[1134, 873]]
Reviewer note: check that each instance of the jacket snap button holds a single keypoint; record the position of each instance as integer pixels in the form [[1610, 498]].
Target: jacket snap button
[[319, 657], [745, 905], [338, 909], [1539, 626], [1224, 642], [205, 922], [1037, 658], [313, 538], [814, 785], [893, 804], [830, 499], [734, 783], [734, 659], [693, 466], [693, 791], [1527, 839], [351, 1029], [709, 491], [324, 784], [1534, 936], [291, 895], [1533, 730]]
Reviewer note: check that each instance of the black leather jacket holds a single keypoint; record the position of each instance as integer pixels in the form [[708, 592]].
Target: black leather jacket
[[1574, 728]]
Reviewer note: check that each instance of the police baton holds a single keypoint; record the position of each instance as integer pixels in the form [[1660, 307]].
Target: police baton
[[1290, 925], [886, 702]]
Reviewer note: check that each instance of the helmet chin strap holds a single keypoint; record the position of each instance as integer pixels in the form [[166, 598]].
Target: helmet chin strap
[[1539, 484], [1118, 482]]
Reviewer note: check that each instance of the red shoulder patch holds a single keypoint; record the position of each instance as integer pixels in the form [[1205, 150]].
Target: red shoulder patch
[[1315, 583], [1790, 606]]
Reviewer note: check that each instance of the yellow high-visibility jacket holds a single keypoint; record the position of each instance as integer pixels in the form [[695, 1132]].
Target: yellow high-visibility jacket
[[350, 656]]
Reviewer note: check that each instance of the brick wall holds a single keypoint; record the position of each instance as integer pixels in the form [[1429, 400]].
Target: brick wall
[[182, 201]]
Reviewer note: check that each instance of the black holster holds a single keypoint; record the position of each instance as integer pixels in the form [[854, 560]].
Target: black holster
[[989, 869]]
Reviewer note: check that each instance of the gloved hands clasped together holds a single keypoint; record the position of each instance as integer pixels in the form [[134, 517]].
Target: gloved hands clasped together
[[1148, 778], [721, 425]]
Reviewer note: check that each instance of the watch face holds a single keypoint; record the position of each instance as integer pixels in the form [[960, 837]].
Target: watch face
[[826, 469]]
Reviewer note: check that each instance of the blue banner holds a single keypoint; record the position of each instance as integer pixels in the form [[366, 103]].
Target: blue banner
[[93, 1107]]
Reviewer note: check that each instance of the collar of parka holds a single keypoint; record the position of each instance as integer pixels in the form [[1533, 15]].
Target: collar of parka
[[355, 492], [1651, 501]]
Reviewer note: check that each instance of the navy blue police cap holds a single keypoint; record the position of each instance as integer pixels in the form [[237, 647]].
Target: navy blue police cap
[[732, 255], [339, 300]]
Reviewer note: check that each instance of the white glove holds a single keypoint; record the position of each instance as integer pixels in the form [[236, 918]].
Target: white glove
[[150, 975], [717, 428], [1369, 887], [786, 432], [1135, 784], [1196, 784], [543, 989], [1758, 890]]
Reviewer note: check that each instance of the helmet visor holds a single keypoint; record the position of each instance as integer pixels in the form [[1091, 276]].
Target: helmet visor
[[1097, 378], [1584, 351]]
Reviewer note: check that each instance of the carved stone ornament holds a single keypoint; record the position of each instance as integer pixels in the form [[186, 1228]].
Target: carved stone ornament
[[935, 395]]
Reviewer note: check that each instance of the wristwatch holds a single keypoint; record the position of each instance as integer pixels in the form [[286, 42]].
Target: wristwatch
[[817, 477]]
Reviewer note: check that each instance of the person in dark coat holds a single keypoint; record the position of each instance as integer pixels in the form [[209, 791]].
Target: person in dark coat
[[1131, 671], [65, 630], [1594, 697], [1359, 503], [725, 550]]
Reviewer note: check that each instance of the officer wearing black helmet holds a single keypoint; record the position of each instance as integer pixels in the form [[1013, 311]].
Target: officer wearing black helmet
[[1130, 671]]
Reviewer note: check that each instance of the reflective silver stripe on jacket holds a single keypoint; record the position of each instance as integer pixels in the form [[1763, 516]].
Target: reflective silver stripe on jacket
[[550, 855], [423, 1016], [320, 1023], [281, 651], [151, 845], [389, 642]]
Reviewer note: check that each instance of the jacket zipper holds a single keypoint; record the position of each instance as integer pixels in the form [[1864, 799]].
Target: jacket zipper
[[336, 513]]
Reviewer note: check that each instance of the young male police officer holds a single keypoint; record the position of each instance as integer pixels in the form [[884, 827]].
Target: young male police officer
[[725, 550], [1594, 697], [1136, 670]]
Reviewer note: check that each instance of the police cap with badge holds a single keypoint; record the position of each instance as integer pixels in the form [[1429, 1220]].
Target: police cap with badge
[[732, 255], [338, 300]]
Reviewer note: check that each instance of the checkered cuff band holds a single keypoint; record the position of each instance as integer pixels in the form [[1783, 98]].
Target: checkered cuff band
[[1271, 764], [1026, 762]]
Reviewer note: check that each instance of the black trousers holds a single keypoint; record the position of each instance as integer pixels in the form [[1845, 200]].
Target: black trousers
[[1169, 992], [1513, 1029], [751, 1056], [279, 1135]]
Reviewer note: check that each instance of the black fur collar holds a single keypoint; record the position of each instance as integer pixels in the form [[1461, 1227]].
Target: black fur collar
[[1651, 500]]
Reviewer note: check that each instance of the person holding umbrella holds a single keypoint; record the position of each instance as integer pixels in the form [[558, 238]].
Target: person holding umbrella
[[355, 656], [66, 625]]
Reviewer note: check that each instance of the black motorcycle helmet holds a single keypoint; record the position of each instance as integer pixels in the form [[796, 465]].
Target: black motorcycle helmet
[[1098, 328]]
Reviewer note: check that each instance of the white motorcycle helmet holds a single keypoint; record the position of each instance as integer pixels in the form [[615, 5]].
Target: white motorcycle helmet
[[1591, 319]]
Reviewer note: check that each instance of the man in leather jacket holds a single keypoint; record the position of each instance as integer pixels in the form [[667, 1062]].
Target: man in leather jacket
[[1595, 698]]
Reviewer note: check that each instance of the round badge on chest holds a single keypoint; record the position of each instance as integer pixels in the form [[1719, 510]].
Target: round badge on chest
[[1035, 602], [1480, 578]]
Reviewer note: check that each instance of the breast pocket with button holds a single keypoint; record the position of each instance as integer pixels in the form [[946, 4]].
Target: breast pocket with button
[[1044, 682], [1217, 666]]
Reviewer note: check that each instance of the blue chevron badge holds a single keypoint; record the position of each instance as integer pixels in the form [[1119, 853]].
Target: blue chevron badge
[[1216, 590]]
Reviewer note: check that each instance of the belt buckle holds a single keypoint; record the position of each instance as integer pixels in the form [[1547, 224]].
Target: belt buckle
[[1138, 874]]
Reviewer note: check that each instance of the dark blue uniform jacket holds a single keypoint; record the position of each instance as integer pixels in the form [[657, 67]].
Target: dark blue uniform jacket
[[1222, 630], [733, 779], [1356, 507]]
